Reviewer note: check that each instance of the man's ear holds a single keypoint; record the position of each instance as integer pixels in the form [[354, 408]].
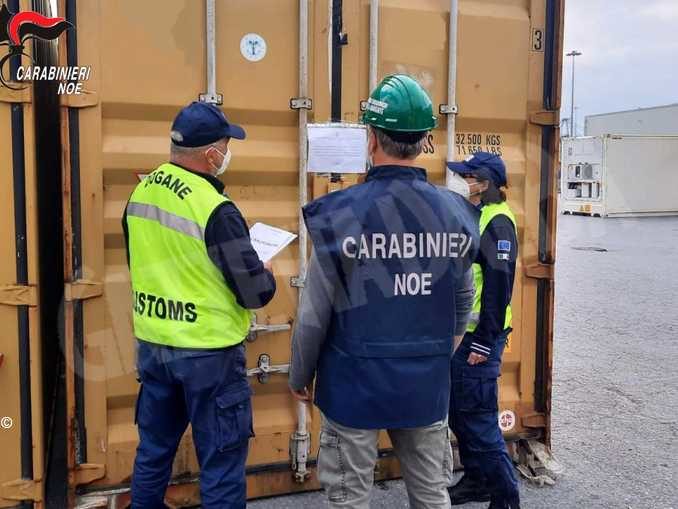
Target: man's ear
[[210, 157], [371, 141]]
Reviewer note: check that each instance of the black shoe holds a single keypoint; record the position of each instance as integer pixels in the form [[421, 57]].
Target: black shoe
[[467, 490]]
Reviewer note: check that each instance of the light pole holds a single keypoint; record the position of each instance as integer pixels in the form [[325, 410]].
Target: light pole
[[573, 54]]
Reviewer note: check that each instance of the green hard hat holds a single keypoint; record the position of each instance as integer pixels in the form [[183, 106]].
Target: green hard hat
[[400, 103]]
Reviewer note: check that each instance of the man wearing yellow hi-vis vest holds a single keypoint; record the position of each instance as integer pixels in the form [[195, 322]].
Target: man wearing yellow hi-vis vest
[[195, 276], [488, 470]]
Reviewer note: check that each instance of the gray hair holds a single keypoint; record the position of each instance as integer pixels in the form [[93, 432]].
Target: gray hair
[[399, 149], [177, 151]]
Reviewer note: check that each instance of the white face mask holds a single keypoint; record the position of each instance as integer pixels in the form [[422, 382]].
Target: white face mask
[[224, 162], [457, 184]]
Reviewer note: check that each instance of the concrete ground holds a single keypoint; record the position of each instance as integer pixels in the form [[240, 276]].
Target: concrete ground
[[615, 399]]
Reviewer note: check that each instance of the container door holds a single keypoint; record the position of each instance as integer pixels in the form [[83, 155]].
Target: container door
[[21, 426], [142, 73], [508, 100]]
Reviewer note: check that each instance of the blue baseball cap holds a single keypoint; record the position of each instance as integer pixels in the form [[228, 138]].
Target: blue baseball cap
[[483, 165], [200, 124]]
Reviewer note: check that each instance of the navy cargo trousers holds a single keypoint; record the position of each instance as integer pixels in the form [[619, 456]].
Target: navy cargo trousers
[[209, 389], [475, 423]]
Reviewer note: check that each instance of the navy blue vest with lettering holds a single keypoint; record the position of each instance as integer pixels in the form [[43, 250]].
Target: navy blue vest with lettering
[[393, 248]]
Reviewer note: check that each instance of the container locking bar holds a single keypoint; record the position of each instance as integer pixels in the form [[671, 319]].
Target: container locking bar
[[19, 295], [264, 369]]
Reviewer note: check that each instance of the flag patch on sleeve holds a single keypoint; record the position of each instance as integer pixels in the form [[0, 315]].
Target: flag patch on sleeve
[[503, 256], [504, 245]]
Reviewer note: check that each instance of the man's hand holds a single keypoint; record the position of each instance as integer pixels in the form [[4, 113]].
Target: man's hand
[[476, 358], [305, 395], [268, 266]]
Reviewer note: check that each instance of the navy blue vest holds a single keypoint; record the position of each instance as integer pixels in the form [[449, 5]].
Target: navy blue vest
[[394, 248]]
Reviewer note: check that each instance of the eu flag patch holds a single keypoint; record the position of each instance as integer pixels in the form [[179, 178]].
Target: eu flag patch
[[504, 245]]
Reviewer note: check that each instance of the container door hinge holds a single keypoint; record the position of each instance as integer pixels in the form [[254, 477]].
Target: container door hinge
[[301, 103], [300, 446], [22, 95], [22, 489], [264, 369], [83, 289], [85, 99], [540, 271], [545, 118], [537, 464], [19, 295], [85, 473]]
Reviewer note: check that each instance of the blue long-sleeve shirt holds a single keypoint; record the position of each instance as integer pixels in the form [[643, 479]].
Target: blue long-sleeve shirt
[[227, 239], [497, 258]]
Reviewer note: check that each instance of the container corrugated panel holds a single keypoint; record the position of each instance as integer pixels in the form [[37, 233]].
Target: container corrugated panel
[[21, 431], [143, 73]]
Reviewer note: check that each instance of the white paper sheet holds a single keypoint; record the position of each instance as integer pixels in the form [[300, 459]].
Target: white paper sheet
[[335, 149], [268, 240]]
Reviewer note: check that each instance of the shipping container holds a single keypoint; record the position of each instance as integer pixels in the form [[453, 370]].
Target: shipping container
[[622, 176], [656, 121], [274, 66], [30, 249]]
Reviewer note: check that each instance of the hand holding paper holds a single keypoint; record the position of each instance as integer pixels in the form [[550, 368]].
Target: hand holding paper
[[268, 241]]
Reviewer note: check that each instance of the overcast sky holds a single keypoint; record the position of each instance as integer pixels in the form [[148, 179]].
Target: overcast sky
[[630, 55]]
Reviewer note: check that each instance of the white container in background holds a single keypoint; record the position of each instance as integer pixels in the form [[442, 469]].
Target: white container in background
[[656, 121], [613, 175]]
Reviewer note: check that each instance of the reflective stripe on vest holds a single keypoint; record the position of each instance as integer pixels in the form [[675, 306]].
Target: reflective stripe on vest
[[180, 297], [487, 214]]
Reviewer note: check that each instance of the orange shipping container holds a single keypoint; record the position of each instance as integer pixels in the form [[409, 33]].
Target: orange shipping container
[[275, 65]]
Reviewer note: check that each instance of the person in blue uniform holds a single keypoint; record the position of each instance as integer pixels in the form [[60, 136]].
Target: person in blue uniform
[[388, 287], [488, 469]]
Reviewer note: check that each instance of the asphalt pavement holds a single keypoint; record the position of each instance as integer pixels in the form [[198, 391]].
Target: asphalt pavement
[[615, 398]]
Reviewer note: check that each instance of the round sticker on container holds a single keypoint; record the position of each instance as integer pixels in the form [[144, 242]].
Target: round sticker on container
[[253, 47], [507, 420]]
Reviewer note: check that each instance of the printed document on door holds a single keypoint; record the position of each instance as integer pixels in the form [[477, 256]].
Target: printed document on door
[[268, 240], [337, 148]]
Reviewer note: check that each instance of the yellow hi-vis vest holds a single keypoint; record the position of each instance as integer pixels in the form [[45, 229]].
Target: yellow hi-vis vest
[[180, 297], [487, 214]]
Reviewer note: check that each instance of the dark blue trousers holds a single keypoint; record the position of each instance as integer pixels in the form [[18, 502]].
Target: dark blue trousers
[[474, 421], [209, 389]]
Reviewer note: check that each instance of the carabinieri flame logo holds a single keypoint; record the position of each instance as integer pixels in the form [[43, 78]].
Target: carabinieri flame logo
[[17, 28]]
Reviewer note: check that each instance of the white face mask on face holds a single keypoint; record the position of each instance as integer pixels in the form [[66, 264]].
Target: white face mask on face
[[226, 160], [457, 184]]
